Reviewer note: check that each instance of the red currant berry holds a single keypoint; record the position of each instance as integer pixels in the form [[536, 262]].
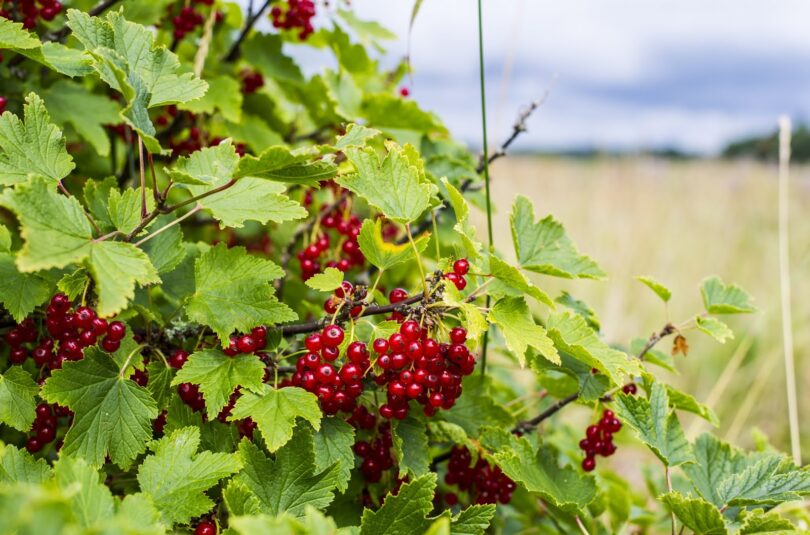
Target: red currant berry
[[461, 267], [178, 358], [109, 345], [116, 330], [313, 342], [397, 295], [332, 336], [410, 330], [458, 335], [381, 346], [588, 464], [205, 528], [246, 344]]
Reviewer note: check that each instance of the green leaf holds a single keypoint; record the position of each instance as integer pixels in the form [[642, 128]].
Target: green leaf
[[33, 146], [476, 408], [218, 376], [113, 415], [656, 425], [281, 164], [512, 278], [715, 462], [20, 293], [382, 254], [769, 480], [288, 483], [332, 445], [160, 378], [116, 268], [685, 402], [224, 95], [17, 405], [474, 520], [328, 281], [19, 466], [263, 50], [758, 521], [403, 514], [125, 208], [581, 308], [240, 500], [543, 246], [513, 317], [401, 118], [55, 56], [209, 166], [72, 103], [660, 290], [165, 250], [375, 180], [356, 136], [411, 446], [250, 199], [464, 229], [90, 500], [176, 477], [714, 328], [718, 298], [233, 292], [572, 334], [697, 514], [275, 412], [539, 473], [73, 284], [57, 233], [14, 36]]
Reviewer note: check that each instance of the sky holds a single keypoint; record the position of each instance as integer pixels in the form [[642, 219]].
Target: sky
[[625, 74]]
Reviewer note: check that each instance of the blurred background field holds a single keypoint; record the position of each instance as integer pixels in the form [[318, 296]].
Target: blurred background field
[[679, 221]]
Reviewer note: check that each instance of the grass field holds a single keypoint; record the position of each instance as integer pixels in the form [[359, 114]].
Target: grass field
[[679, 222]]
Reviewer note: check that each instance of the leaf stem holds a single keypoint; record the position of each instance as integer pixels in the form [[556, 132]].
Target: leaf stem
[[169, 225], [144, 211], [199, 197], [669, 488]]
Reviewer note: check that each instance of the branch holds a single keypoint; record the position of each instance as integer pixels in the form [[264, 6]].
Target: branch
[[233, 53]]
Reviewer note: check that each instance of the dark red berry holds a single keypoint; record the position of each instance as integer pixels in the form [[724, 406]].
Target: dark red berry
[[246, 344], [116, 330]]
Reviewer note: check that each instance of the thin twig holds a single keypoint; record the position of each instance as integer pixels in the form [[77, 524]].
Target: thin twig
[[234, 51], [171, 224], [144, 210]]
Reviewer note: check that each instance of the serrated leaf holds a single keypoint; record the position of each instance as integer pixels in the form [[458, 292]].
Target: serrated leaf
[[715, 461], [659, 289], [758, 521], [539, 473], [116, 268], [165, 250], [57, 233], [160, 378], [572, 334], [581, 308], [73, 284], [514, 319], [275, 412], [176, 476], [685, 402], [209, 166], [19, 466], [474, 520], [714, 328], [282, 164], [125, 208], [356, 136], [32, 146], [403, 514], [233, 292], [72, 103], [224, 95], [239, 500], [656, 425], [56, 56], [250, 199], [218, 375], [328, 281], [697, 514], [332, 445], [544, 247], [382, 254], [770, 479], [17, 392], [411, 446], [90, 500], [512, 278], [375, 181], [288, 483], [719, 298], [465, 230], [113, 415], [20, 293], [14, 36]]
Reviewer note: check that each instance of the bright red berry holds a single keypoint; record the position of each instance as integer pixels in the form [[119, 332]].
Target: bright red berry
[[332, 336], [461, 267], [246, 344]]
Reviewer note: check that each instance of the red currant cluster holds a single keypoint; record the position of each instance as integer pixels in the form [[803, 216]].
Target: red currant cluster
[[599, 439], [298, 14], [349, 254], [251, 81], [206, 527], [337, 388], [460, 268], [28, 10], [485, 483], [376, 454], [69, 333], [416, 366], [187, 19], [345, 295], [630, 389], [45, 425]]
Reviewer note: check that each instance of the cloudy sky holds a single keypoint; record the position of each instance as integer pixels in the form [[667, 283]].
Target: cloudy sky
[[629, 74]]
